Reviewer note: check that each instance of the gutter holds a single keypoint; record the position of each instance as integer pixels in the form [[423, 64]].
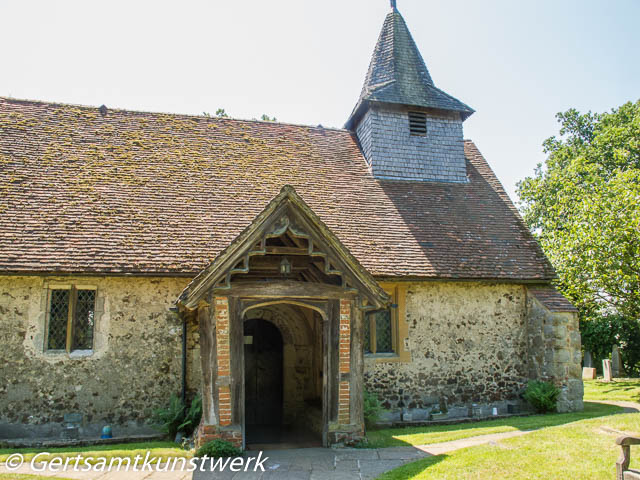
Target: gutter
[[182, 316], [184, 358]]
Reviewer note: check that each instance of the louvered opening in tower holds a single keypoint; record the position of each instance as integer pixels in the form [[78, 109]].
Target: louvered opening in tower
[[418, 123]]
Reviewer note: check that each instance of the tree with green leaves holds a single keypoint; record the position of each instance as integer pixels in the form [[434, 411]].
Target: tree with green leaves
[[584, 207]]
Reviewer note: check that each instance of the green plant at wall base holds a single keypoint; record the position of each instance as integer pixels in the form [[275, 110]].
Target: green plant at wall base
[[192, 416], [171, 417], [372, 409], [218, 449], [177, 418], [543, 396]]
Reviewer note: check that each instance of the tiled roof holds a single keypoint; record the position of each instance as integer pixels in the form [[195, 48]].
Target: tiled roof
[[552, 299], [398, 74], [149, 193]]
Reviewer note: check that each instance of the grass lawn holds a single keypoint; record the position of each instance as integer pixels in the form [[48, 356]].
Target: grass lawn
[[627, 389], [161, 450], [579, 450], [391, 437]]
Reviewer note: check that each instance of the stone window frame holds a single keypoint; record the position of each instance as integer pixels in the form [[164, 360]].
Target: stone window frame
[[48, 288], [399, 326]]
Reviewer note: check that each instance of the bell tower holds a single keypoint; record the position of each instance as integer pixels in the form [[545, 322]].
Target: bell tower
[[408, 128]]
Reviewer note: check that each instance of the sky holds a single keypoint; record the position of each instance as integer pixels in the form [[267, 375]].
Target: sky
[[516, 63]]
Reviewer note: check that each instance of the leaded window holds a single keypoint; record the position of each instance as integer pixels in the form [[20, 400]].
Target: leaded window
[[378, 331], [71, 319]]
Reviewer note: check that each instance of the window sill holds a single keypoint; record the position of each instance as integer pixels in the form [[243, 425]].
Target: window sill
[[80, 353], [73, 354], [386, 357]]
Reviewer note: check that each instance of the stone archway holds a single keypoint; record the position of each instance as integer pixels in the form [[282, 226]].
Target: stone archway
[[287, 317], [301, 330]]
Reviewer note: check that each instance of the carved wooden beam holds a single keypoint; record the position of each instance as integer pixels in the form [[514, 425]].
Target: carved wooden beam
[[287, 288]]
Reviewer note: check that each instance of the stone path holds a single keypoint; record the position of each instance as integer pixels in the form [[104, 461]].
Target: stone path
[[302, 464], [629, 407], [446, 447]]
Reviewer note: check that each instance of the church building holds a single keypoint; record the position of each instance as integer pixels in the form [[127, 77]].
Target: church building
[[280, 271]]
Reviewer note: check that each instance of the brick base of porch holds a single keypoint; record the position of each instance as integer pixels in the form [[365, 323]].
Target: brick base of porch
[[207, 433]]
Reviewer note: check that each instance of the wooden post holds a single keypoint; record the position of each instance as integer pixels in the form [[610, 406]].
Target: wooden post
[[357, 366], [208, 364]]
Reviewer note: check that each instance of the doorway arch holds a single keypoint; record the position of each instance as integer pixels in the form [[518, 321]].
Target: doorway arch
[[299, 421]]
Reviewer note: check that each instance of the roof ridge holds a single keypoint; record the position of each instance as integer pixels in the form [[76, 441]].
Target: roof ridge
[[186, 115]]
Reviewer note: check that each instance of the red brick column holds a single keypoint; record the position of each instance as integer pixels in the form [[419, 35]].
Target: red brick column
[[344, 398], [222, 352]]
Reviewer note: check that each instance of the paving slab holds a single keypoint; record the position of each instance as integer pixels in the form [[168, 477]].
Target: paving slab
[[400, 453], [357, 454], [334, 476], [247, 476], [301, 463], [347, 465]]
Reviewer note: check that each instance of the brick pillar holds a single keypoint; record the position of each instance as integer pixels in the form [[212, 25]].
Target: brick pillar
[[222, 352], [344, 398]]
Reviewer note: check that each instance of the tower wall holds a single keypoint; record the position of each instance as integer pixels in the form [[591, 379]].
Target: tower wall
[[392, 152]]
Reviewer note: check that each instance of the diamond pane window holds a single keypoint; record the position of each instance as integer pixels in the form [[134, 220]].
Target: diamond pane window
[[384, 340], [367, 336], [71, 319], [378, 332], [58, 320], [83, 320]]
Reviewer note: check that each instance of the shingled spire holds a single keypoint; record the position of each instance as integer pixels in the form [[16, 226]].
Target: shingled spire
[[398, 74], [398, 83]]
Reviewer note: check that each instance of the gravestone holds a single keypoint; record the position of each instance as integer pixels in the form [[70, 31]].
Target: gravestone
[[606, 370], [588, 373], [616, 362], [588, 360]]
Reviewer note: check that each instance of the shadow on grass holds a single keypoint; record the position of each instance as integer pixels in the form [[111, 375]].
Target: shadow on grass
[[412, 436], [617, 389]]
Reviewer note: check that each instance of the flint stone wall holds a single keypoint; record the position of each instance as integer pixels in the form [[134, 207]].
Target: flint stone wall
[[556, 354], [468, 344], [474, 347], [134, 367]]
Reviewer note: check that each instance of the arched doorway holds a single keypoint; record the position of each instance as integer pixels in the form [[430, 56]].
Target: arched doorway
[[263, 379], [283, 376]]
